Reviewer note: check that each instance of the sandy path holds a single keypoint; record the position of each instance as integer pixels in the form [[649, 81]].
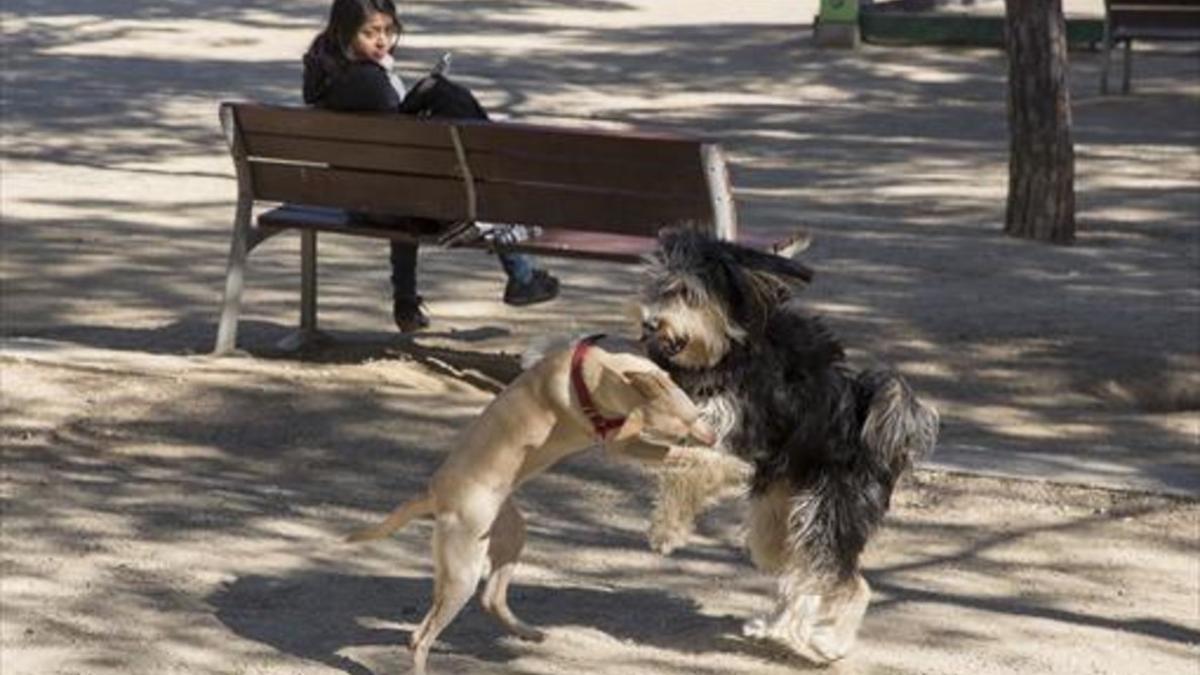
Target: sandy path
[[188, 521]]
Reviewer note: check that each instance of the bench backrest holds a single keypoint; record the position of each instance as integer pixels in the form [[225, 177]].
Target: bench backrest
[[622, 182], [1154, 15]]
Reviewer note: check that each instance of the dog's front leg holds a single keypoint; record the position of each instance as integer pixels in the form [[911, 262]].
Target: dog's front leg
[[688, 484], [655, 453], [635, 448]]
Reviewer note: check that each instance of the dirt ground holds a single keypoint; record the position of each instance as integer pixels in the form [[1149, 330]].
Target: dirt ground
[[166, 512], [170, 515]]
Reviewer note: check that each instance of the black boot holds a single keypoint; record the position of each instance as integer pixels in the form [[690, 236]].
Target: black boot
[[408, 314]]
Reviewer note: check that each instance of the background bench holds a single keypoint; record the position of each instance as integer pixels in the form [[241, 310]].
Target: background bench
[[1126, 20], [601, 195]]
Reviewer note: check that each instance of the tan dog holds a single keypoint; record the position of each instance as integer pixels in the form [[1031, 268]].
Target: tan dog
[[566, 402]]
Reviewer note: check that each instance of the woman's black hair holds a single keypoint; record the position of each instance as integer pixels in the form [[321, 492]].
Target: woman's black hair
[[330, 51]]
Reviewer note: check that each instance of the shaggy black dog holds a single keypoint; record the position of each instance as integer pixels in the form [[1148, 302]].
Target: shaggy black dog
[[820, 445]]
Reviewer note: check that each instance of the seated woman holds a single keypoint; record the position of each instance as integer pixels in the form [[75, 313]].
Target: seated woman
[[348, 67]]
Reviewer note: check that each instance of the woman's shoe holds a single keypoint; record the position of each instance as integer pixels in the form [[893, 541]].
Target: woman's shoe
[[408, 314], [542, 286]]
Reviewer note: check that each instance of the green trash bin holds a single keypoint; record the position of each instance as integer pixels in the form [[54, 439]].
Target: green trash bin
[[839, 11], [837, 24]]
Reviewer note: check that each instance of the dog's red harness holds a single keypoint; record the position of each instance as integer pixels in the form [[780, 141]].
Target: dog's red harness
[[603, 426]]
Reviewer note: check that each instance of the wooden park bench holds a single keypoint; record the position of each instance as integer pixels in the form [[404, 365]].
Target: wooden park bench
[[595, 194], [1127, 20]]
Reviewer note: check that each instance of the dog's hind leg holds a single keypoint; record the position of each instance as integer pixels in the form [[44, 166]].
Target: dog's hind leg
[[458, 551], [838, 619], [504, 547], [799, 594]]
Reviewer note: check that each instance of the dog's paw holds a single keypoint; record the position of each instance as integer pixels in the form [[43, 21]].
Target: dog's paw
[[530, 634], [778, 634], [756, 629], [678, 457], [527, 633], [827, 647], [664, 540]]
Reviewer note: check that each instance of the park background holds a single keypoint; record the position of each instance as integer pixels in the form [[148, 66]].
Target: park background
[[166, 512]]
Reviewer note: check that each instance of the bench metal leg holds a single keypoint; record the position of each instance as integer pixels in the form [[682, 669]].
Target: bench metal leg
[[307, 334], [716, 173], [239, 250], [1128, 66], [1107, 46], [308, 281]]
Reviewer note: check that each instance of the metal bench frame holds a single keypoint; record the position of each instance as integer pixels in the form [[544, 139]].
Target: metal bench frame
[[1126, 20]]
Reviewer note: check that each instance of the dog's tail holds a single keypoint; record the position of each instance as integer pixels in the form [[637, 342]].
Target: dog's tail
[[542, 345], [422, 506], [898, 427]]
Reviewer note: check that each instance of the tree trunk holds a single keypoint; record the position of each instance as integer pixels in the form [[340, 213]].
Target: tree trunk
[[1041, 164]]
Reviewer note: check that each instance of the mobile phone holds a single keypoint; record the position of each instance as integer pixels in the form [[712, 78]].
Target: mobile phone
[[442, 66]]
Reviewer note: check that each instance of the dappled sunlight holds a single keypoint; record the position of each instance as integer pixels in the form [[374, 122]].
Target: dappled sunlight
[[921, 74], [190, 39], [1021, 422], [190, 501], [165, 512]]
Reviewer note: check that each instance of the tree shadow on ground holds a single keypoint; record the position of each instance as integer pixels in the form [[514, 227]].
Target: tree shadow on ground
[[317, 615]]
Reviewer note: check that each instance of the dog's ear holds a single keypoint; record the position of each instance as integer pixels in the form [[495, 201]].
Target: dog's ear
[[682, 243], [646, 383], [770, 263]]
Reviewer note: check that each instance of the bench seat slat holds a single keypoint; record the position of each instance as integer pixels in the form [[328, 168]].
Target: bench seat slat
[[563, 243], [555, 242], [1172, 33]]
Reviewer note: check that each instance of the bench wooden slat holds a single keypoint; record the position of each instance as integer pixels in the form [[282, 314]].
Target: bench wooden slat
[[567, 243], [554, 206], [339, 221], [1158, 33], [426, 197], [389, 128], [377, 128], [1150, 5], [1154, 19], [360, 190], [558, 242], [484, 166], [525, 141], [1150, 27], [353, 155], [587, 172], [495, 151]]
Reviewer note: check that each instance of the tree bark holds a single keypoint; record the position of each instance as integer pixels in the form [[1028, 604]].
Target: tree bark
[[1041, 165]]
